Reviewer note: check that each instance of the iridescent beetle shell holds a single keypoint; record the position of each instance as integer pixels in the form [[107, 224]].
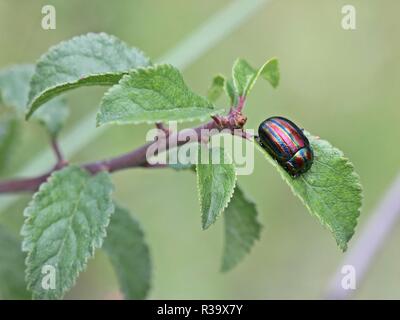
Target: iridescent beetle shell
[[287, 144]]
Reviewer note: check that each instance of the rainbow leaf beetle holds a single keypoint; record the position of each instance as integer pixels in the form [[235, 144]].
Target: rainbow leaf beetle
[[287, 144]]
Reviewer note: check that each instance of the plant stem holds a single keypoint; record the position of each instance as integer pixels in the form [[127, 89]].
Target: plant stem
[[57, 151], [133, 159]]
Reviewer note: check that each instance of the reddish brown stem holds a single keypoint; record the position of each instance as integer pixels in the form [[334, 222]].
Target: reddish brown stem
[[133, 159], [57, 151], [241, 103]]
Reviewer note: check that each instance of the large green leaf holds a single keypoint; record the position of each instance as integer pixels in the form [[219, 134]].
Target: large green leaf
[[14, 88], [91, 59], [129, 254], [12, 282], [245, 76], [152, 94], [215, 182], [242, 229], [8, 137], [65, 222], [331, 189]]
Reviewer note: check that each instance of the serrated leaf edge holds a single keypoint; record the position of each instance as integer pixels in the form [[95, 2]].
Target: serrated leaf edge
[[96, 243], [347, 162], [210, 111], [254, 240], [34, 100], [205, 227]]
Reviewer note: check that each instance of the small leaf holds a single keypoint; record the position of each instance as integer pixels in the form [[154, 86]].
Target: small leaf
[[8, 137], [52, 115], [245, 76], [242, 229], [270, 72], [65, 222], [129, 254], [331, 190], [14, 86], [91, 59], [230, 91], [216, 183], [153, 94], [12, 282], [216, 88]]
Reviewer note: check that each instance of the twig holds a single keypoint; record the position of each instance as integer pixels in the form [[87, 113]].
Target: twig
[[18, 185], [241, 103], [57, 151], [369, 243], [133, 159], [161, 126]]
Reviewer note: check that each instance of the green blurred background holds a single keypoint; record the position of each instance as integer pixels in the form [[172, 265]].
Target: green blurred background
[[340, 85]]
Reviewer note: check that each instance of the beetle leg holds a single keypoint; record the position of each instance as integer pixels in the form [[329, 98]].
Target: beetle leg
[[290, 169]]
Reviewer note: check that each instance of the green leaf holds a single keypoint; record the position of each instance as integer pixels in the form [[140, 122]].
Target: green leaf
[[152, 94], [12, 282], [245, 76], [215, 182], [52, 115], [331, 190], [65, 222], [129, 254], [8, 137], [216, 88], [14, 86], [230, 91], [91, 59], [242, 229], [270, 72]]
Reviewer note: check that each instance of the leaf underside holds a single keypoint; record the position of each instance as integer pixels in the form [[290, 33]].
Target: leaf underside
[[129, 254], [242, 229], [14, 88], [245, 76]]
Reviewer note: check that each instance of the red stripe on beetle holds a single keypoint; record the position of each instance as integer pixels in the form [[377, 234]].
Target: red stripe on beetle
[[293, 132], [285, 137]]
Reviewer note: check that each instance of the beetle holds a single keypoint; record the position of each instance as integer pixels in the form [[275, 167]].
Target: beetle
[[287, 144]]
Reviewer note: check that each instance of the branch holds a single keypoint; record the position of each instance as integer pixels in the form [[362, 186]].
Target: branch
[[18, 185], [133, 159], [162, 127]]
